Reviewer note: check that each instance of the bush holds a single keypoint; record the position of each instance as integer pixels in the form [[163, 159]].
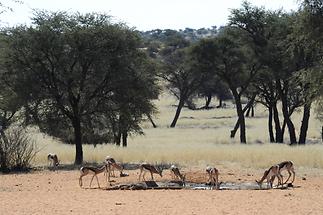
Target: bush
[[17, 150]]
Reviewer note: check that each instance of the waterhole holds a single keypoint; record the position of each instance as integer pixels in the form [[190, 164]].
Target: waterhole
[[176, 185]]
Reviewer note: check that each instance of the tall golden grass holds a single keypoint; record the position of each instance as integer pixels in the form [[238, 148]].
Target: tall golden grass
[[200, 138]]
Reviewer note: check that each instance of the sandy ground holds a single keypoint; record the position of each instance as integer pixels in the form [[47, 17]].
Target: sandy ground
[[47, 192]]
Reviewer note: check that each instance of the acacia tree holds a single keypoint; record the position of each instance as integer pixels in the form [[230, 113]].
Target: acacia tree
[[290, 55], [176, 69], [132, 103], [15, 146], [308, 34], [229, 57], [272, 35], [68, 69], [182, 78], [267, 95], [279, 66], [211, 87]]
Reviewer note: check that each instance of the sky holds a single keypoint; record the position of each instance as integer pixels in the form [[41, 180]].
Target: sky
[[143, 14]]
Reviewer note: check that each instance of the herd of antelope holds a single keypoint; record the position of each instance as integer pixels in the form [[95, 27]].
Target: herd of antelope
[[110, 165]]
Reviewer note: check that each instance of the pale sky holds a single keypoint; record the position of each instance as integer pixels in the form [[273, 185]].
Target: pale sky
[[144, 14]]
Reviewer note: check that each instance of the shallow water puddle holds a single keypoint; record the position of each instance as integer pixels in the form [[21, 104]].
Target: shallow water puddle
[[192, 186], [226, 186]]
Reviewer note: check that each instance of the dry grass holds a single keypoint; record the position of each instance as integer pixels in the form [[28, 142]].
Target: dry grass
[[201, 138]]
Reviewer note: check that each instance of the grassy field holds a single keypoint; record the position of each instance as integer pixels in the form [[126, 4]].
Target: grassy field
[[200, 138]]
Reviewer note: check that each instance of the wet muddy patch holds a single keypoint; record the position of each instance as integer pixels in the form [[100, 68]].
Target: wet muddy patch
[[178, 185]]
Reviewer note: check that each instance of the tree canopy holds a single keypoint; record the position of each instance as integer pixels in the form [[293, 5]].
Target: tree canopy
[[71, 69]]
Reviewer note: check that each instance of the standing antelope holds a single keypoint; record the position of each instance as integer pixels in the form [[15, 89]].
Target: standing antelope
[[289, 166], [176, 174], [53, 160], [213, 174], [112, 165], [270, 175], [149, 168], [85, 170]]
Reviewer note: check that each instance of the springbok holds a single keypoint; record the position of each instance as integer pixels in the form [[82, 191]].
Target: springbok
[[213, 174], [53, 160], [177, 174], [285, 165], [85, 170], [112, 165], [289, 166], [270, 175], [149, 168]]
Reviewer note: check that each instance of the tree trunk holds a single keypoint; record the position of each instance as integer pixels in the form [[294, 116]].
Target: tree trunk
[[242, 124], [284, 127], [220, 103], [240, 114], [178, 112], [235, 129], [151, 121], [278, 129], [208, 101], [121, 129], [78, 141], [248, 112], [115, 131], [270, 125], [290, 125], [117, 138], [124, 139], [250, 108], [305, 121]]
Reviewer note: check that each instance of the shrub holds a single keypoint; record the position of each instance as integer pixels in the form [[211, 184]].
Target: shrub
[[17, 150]]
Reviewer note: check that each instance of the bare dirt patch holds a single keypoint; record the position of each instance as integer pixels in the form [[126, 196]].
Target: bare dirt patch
[[46, 192]]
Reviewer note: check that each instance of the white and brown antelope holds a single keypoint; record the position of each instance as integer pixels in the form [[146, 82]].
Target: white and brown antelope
[[112, 165], [270, 175], [149, 168], [177, 174], [289, 166], [53, 160], [86, 170], [213, 174]]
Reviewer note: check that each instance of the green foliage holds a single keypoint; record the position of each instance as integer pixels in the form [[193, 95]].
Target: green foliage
[[227, 56], [183, 79], [72, 70], [308, 31], [190, 34], [10, 104]]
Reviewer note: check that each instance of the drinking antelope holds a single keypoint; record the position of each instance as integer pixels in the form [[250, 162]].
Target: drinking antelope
[[112, 165], [176, 174], [85, 170], [53, 160], [149, 168], [270, 175], [289, 166], [213, 174]]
